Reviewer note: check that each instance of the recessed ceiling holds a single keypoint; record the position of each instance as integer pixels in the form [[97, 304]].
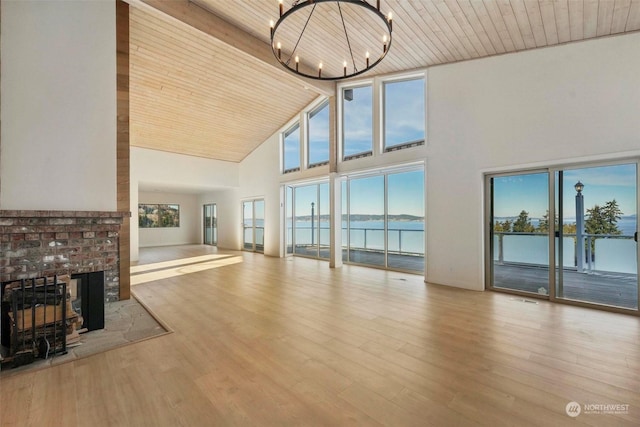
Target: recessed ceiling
[[203, 95]]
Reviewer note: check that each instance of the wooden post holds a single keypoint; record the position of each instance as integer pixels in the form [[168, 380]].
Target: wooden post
[[122, 145]]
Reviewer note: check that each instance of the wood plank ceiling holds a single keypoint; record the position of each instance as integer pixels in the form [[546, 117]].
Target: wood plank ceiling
[[194, 94], [191, 94]]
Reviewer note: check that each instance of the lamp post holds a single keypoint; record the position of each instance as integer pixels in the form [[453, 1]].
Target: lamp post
[[579, 226], [312, 217]]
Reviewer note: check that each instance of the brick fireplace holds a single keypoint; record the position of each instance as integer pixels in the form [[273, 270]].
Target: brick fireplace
[[46, 243]]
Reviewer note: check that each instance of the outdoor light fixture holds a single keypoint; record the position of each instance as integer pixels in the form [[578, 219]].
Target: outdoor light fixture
[[322, 32], [579, 187]]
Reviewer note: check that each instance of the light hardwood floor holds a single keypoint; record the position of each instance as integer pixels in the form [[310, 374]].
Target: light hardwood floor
[[262, 341]]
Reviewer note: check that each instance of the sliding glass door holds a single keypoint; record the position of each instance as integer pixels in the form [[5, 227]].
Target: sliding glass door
[[519, 237], [253, 225], [582, 220], [210, 225], [307, 220], [597, 209], [383, 220]]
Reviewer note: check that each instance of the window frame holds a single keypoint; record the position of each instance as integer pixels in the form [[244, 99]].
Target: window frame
[[307, 141], [341, 120], [160, 207], [284, 134], [382, 103]]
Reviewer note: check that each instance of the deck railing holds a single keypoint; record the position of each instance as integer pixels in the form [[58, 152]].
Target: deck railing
[[399, 241], [603, 252]]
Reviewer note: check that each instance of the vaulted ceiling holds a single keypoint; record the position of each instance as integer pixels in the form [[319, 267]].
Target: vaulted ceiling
[[204, 81]]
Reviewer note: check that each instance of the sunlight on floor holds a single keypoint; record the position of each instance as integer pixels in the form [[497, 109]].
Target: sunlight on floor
[[180, 267], [175, 262]]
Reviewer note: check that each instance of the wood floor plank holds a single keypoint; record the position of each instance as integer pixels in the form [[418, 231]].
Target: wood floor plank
[[266, 341]]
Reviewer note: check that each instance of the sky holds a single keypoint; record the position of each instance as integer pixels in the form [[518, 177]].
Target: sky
[[406, 194], [292, 149], [404, 116], [404, 122], [404, 112], [319, 136], [358, 121], [528, 192]]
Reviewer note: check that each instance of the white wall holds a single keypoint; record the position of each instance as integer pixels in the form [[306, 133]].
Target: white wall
[[260, 178], [229, 217], [175, 174], [561, 104], [190, 217], [58, 105]]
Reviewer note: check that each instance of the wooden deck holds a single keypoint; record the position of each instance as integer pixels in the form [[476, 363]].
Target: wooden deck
[[263, 341], [615, 289]]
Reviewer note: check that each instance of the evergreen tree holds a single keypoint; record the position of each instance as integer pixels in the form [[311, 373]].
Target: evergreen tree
[[523, 223], [543, 225], [612, 214], [603, 219], [502, 227]]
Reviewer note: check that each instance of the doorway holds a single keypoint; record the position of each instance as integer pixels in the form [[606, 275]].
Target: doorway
[[210, 226], [253, 225]]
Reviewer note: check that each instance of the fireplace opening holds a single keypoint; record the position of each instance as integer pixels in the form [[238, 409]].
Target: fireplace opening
[[87, 298]]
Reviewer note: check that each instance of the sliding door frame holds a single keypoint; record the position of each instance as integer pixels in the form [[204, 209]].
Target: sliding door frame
[[489, 223], [254, 225], [554, 208]]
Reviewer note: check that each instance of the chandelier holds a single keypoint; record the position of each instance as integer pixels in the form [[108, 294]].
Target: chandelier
[[344, 38]]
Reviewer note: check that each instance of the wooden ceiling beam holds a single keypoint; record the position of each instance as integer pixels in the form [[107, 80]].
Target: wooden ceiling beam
[[205, 21]]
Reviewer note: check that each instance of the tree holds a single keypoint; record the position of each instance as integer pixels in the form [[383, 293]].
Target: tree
[[612, 214], [523, 223], [543, 225], [603, 219], [502, 227]]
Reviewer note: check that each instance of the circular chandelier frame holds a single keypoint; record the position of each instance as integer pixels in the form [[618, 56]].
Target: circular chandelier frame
[[297, 6]]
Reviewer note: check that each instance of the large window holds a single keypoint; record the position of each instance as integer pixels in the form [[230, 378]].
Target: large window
[[383, 220], [318, 135], [357, 122], [308, 220], [158, 215], [291, 149], [404, 113]]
